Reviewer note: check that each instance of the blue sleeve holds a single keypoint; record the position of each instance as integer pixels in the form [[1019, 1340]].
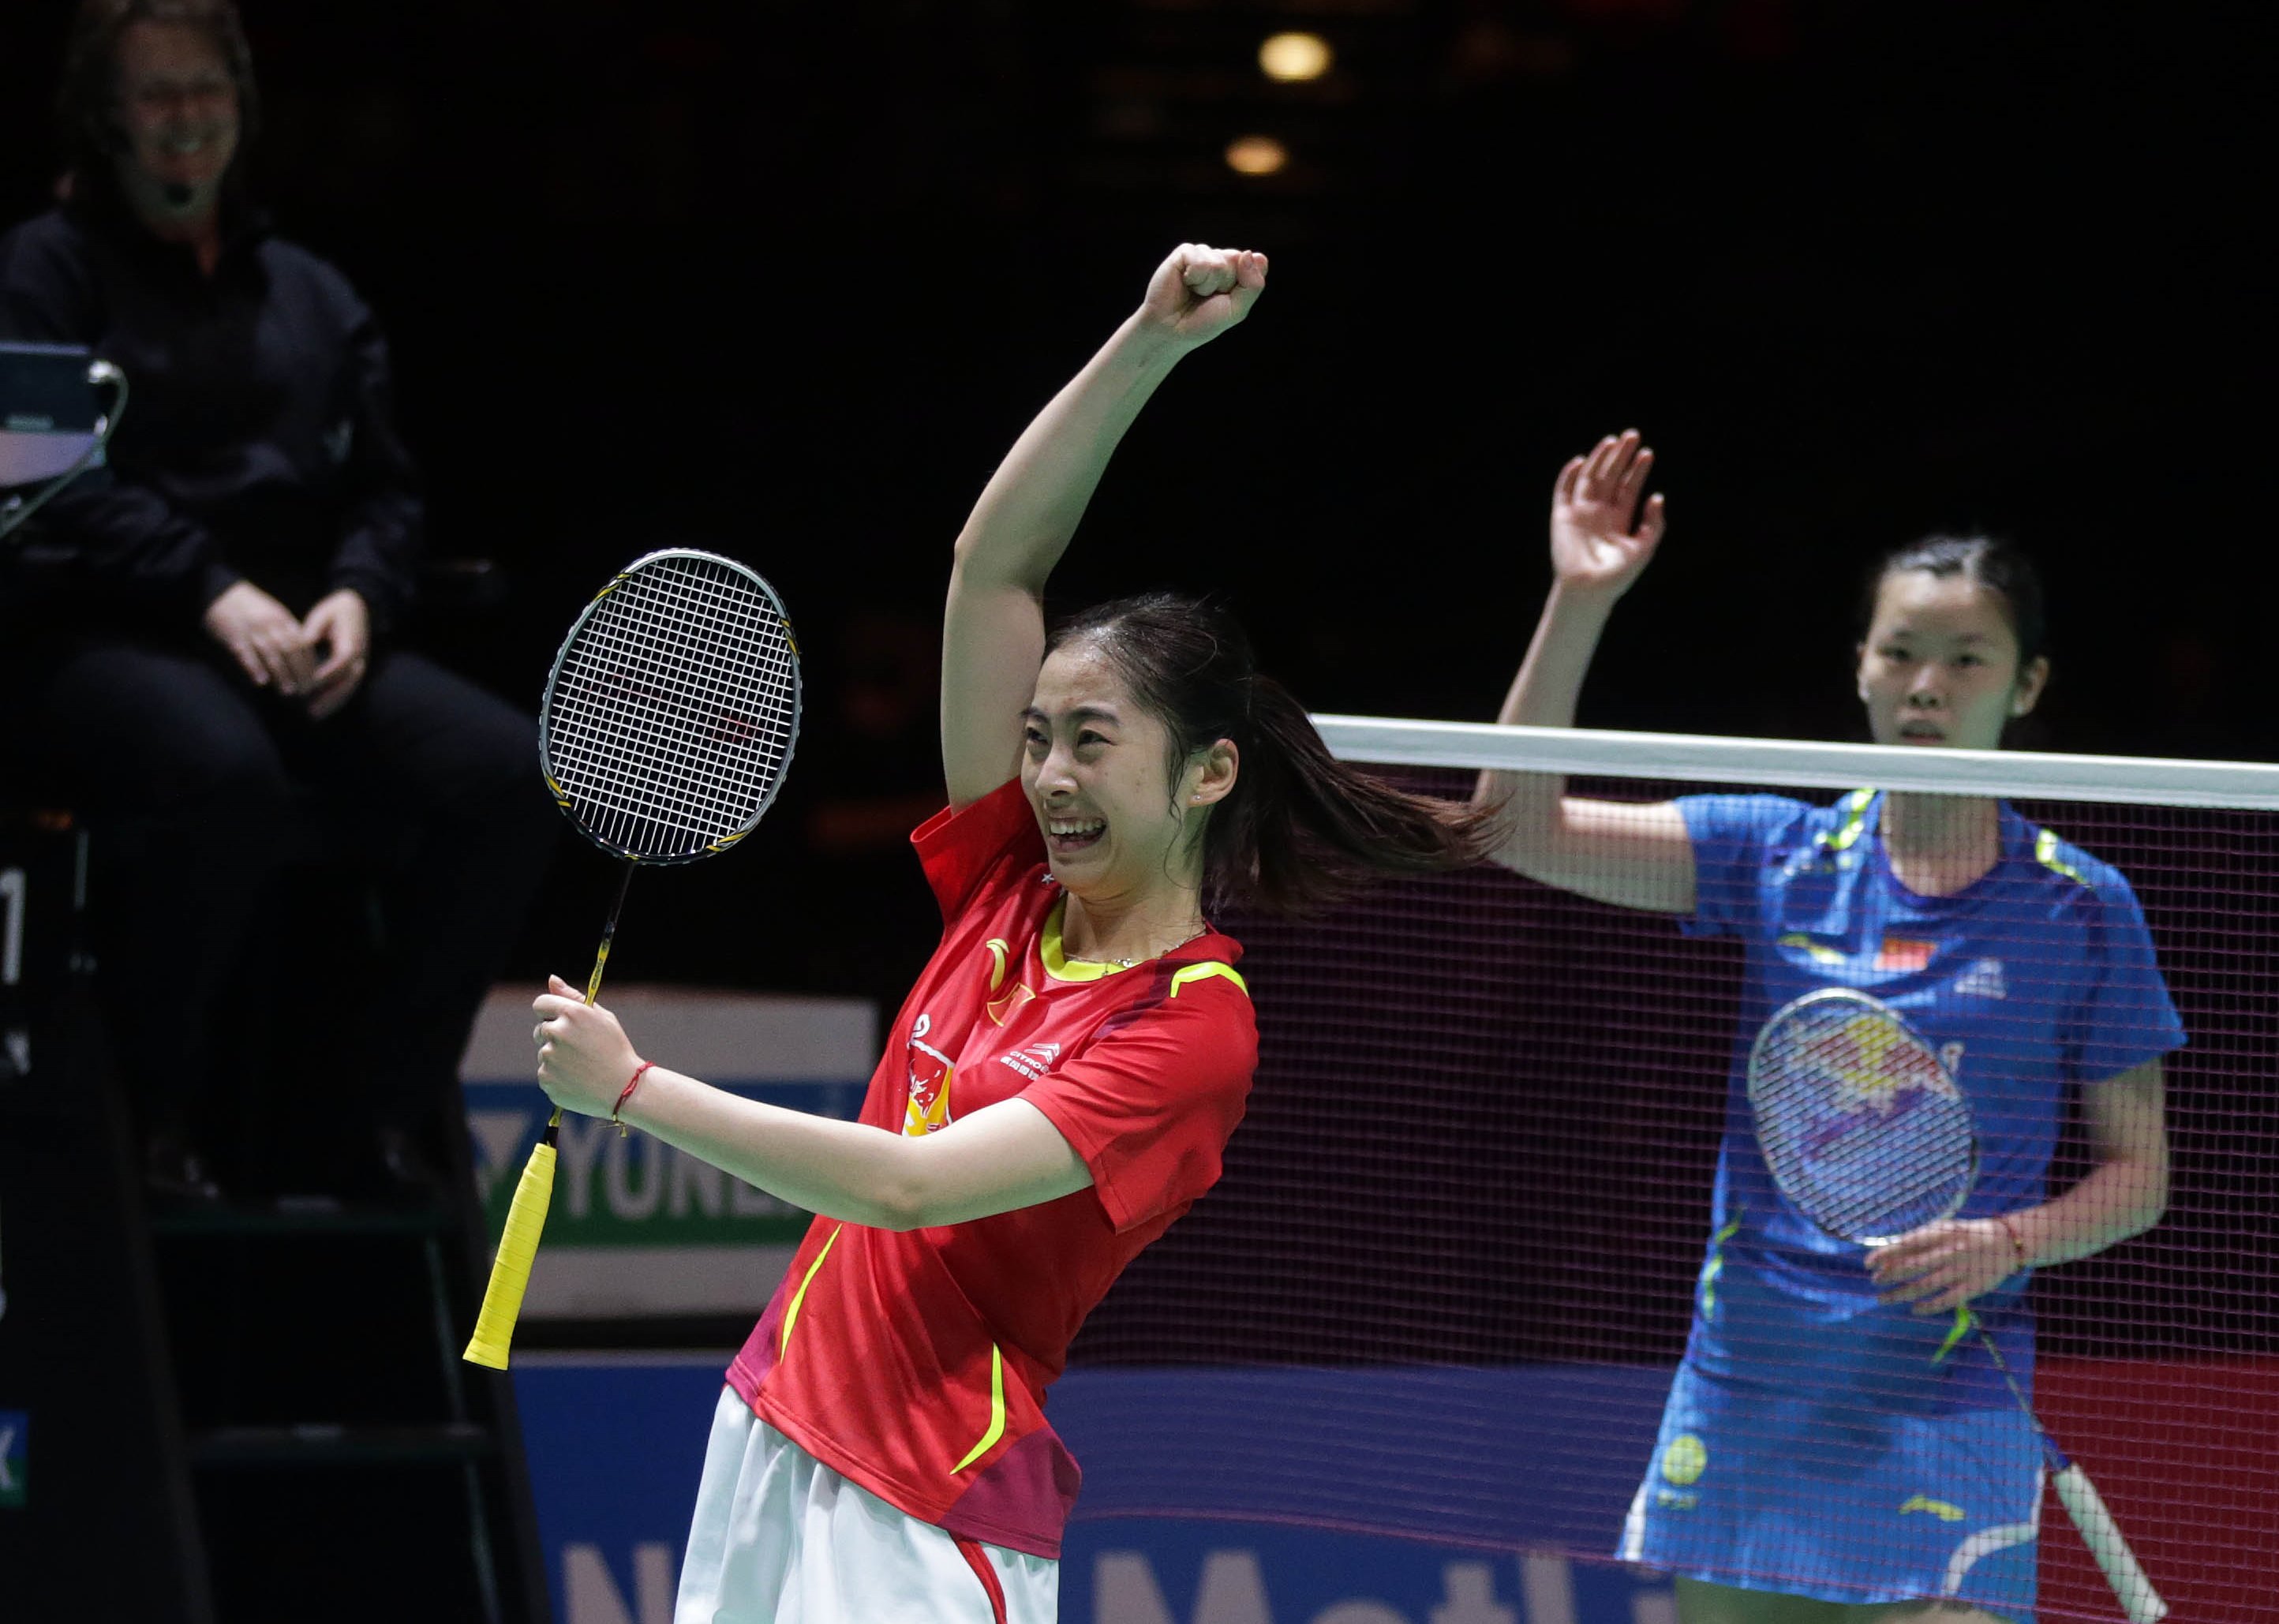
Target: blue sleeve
[[1734, 837], [2125, 1016]]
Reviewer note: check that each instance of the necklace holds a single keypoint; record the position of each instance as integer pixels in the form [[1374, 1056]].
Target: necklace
[[1142, 958]]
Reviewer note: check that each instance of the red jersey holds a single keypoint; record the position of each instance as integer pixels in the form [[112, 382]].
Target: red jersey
[[915, 1364]]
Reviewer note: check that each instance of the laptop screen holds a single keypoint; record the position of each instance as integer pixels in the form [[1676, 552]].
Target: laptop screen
[[50, 412]]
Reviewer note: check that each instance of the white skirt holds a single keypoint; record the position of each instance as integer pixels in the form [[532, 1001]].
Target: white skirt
[[780, 1538]]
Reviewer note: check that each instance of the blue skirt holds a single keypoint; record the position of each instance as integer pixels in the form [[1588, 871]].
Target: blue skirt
[[1801, 1493]]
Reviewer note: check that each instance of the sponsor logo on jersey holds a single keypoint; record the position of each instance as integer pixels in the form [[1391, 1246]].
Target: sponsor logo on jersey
[[930, 1071], [1983, 980], [1033, 1061], [1901, 955], [1005, 1004], [1685, 1458], [1815, 951], [1005, 1001]]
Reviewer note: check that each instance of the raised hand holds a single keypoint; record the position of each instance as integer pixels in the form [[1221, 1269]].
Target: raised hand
[[1601, 539], [1199, 292]]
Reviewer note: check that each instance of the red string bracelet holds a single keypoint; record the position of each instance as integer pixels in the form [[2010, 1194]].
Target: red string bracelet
[[2017, 1241], [635, 1082]]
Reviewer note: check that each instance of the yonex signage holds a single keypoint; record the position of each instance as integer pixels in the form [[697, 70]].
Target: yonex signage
[[636, 1227]]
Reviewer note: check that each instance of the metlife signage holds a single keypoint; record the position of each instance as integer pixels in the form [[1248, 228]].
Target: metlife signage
[[636, 1228]]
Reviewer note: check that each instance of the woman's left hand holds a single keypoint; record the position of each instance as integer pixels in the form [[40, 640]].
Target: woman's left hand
[[1944, 1265], [585, 1060]]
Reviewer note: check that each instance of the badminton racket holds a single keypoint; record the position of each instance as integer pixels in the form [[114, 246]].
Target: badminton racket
[[666, 731], [1867, 1133]]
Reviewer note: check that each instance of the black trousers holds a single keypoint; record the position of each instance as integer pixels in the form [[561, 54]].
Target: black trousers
[[200, 789]]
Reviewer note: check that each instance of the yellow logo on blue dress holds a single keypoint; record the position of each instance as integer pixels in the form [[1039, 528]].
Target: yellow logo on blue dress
[[1685, 1458], [1945, 1511]]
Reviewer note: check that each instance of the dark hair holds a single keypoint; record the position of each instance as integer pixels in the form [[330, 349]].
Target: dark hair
[[1301, 830], [1992, 563], [86, 106]]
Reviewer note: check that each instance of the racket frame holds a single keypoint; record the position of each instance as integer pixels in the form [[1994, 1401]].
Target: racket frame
[[1867, 1004], [570, 643]]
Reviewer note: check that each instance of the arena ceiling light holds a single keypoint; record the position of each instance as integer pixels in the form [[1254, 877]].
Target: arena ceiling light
[[1257, 154], [1292, 58]]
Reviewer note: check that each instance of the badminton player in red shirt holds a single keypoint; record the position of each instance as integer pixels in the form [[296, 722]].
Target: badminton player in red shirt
[[1057, 1088]]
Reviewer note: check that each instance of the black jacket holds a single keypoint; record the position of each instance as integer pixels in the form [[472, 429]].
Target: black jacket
[[259, 442]]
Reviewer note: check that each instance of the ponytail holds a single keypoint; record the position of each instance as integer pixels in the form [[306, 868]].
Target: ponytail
[[1301, 830]]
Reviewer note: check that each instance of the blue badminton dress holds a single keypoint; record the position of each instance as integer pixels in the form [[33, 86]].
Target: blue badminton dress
[[1816, 1443]]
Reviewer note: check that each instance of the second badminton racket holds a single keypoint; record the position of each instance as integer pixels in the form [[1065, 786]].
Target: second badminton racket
[[1868, 1134]]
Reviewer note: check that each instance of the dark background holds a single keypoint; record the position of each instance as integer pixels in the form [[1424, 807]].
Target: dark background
[[786, 279]]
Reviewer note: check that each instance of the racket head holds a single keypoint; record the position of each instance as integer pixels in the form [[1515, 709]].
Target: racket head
[[672, 708], [1861, 1125]]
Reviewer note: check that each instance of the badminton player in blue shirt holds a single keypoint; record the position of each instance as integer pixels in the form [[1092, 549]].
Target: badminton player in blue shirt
[[1836, 1446]]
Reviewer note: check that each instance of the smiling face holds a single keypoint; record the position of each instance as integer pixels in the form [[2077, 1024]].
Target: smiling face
[[177, 109], [1117, 827], [1939, 665]]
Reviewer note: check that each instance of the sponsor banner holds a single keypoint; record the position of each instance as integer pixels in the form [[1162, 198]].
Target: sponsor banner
[[1151, 1571], [636, 1228], [616, 1443]]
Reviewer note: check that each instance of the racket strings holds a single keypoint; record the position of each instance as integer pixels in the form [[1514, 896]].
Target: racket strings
[[673, 718], [615, 753], [679, 706]]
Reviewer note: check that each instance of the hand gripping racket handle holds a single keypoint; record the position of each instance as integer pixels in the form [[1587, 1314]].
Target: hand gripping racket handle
[[518, 1248], [526, 1219], [2099, 1531]]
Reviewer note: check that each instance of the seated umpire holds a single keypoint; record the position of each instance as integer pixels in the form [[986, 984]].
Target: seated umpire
[[237, 580]]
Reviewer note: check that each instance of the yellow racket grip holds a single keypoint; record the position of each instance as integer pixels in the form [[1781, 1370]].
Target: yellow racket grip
[[518, 1248]]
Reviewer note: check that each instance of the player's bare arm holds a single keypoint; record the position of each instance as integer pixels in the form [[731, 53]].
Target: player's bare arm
[[1604, 530], [994, 630], [1942, 1266], [996, 1159]]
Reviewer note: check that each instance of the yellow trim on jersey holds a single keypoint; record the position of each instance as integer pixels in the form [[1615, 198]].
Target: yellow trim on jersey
[[1000, 950], [1058, 965], [1818, 953], [1855, 806], [791, 1314], [996, 1411], [1204, 971], [2046, 849], [1715, 1267]]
